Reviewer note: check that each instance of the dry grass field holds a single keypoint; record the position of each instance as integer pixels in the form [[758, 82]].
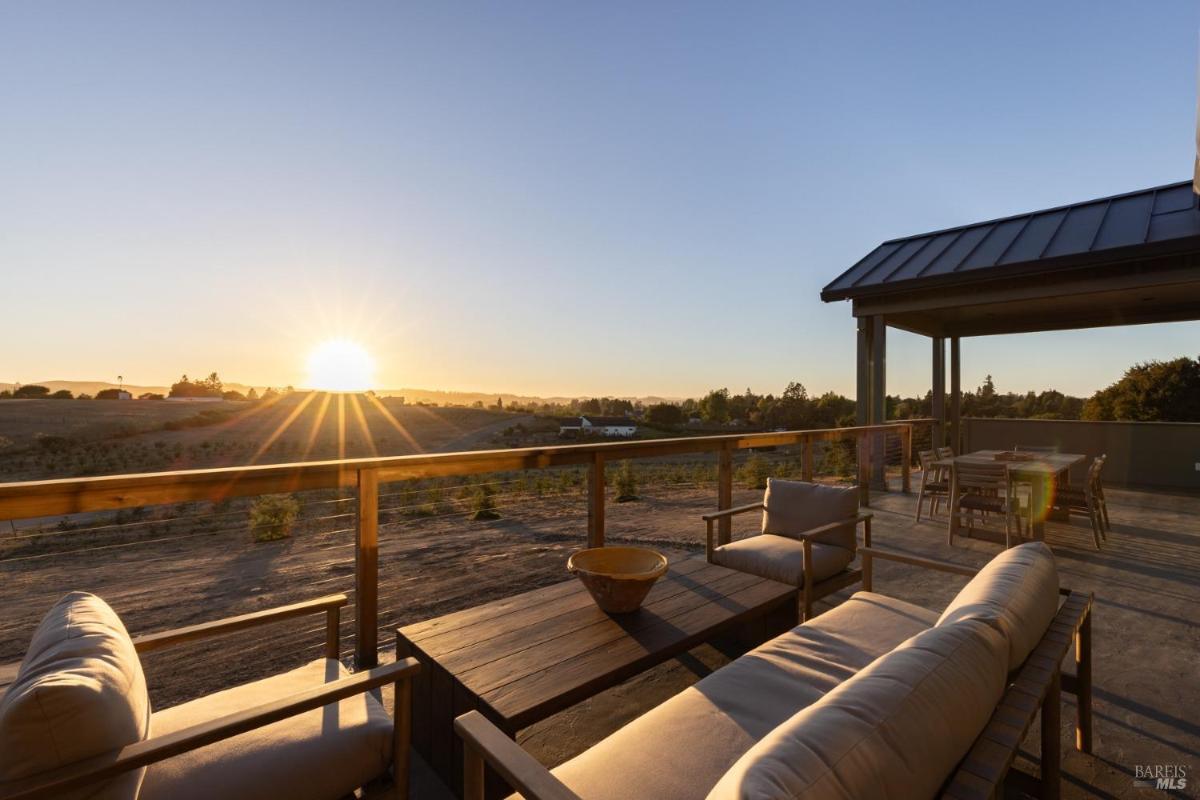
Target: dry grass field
[[71, 438]]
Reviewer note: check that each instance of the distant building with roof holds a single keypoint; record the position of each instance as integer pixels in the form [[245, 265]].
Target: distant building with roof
[[595, 425]]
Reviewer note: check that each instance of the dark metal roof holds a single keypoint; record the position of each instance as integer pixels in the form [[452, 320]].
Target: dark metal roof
[[1156, 221]]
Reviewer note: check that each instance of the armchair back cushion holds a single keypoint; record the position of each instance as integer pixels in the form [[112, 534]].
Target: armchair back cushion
[[894, 730], [1017, 593], [80, 692], [791, 508]]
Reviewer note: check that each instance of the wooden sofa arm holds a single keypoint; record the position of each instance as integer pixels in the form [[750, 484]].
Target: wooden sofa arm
[[485, 743], [869, 554], [329, 605], [160, 748], [725, 513], [863, 518]]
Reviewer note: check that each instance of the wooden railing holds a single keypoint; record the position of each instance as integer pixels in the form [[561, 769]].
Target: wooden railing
[[30, 499]]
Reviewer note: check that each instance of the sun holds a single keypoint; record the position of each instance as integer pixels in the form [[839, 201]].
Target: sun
[[340, 365]]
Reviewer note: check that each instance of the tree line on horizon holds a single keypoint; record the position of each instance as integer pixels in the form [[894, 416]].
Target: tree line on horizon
[[1153, 391]]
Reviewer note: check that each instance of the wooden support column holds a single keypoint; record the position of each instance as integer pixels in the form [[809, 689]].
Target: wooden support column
[[956, 437], [366, 572], [939, 392], [725, 492], [862, 395], [596, 501], [1051, 746], [1083, 685], [878, 402]]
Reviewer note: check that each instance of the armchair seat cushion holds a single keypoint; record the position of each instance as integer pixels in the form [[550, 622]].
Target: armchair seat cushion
[[680, 749], [79, 692], [781, 558], [321, 754]]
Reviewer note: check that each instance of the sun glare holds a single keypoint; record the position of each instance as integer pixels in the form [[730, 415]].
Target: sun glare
[[340, 365]]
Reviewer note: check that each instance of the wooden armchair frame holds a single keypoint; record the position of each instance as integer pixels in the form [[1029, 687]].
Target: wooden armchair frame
[[811, 591], [1036, 684], [159, 748]]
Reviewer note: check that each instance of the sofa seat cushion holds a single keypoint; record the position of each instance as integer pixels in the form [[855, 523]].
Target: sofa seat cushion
[[681, 748], [791, 508], [320, 754], [897, 729], [1017, 592], [780, 558], [79, 692]]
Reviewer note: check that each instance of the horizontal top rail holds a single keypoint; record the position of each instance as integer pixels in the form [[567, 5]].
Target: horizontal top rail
[[25, 499]]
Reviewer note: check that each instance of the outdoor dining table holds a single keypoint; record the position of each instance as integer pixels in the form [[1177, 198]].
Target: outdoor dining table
[[1043, 473]]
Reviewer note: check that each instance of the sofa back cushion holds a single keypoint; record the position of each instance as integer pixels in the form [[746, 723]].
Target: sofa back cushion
[[79, 692], [897, 729], [795, 507], [1017, 592]]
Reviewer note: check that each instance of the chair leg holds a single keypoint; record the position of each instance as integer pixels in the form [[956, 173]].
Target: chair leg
[[1104, 510], [920, 499], [1094, 516]]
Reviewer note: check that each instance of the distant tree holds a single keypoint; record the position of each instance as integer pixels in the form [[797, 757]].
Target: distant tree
[[664, 414], [232, 394], [6, 394], [83, 396], [591, 406], [714, 406], [1156, 391], [31, 390], [269, 394], [252, 394], [209, 387], [62, 394], [150, 396], [109, 394]]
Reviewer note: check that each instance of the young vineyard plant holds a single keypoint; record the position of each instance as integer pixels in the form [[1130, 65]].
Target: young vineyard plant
[[626, 482], [272, 517]]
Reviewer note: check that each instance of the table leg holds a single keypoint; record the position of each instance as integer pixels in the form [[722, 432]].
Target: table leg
[[1037, 499]]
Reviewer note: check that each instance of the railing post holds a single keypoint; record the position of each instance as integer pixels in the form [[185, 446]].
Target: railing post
[[863, 448], [725, 492], [806, 467], [906, 434], [366, 572], [596, 501]]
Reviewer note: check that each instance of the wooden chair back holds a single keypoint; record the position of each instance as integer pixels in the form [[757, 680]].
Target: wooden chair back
[[1094, 469], [926, 458], [945, 452], [981, 477]]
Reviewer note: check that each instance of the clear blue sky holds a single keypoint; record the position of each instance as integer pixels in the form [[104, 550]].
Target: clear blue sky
[[551, 198]]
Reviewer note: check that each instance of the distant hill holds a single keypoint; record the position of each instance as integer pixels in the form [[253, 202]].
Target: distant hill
[[411, 395]]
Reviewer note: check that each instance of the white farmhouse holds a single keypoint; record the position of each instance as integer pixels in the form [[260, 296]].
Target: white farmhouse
[[607, 426]]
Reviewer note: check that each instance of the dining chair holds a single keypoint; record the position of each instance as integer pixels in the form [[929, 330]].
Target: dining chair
[[1088, 499], [934, 483], [983, 488]]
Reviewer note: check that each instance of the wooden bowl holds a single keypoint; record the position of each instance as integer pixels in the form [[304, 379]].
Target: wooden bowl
[[618, 578]]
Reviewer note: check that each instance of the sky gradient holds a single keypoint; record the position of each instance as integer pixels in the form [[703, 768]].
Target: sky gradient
[[551, 198]]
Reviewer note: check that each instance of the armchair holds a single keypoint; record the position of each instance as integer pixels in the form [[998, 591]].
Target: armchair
[[311, 732], [808, 539]]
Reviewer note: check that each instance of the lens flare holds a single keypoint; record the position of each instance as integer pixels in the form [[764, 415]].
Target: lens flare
[[340, 365]]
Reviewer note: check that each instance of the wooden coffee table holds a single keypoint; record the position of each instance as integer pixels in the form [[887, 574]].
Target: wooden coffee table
[[521, 659]]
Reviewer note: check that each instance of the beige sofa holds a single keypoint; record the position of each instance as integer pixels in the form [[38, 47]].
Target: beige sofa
[[875, 698], [77, 721]]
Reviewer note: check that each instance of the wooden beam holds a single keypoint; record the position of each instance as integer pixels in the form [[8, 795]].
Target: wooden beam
[[26, 499], [596, 501], [725, 493], [862, 394], [956, 438], [938, 409], [878, 402], [366, 571]]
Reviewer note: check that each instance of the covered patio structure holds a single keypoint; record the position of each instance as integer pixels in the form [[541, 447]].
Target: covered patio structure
[[1128, 259]]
